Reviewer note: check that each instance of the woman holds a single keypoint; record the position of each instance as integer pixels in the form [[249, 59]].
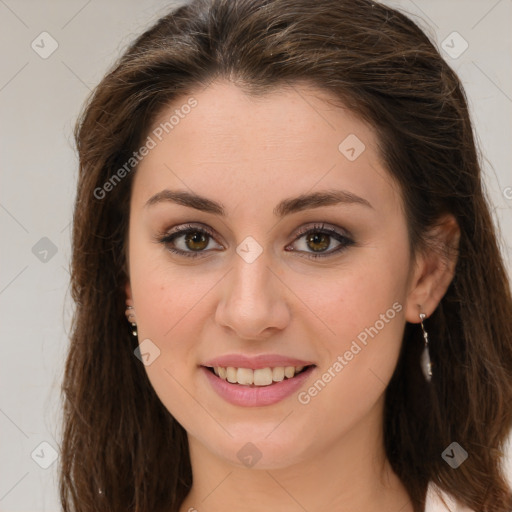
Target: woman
[[287, 278]]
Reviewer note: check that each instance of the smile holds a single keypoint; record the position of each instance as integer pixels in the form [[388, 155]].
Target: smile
[[256, 388], [257, 377]]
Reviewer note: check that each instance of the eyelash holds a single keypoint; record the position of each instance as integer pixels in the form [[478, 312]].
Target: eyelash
[[344, 240]]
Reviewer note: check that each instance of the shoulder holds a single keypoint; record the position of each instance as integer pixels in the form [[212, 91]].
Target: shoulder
[[439, 501]]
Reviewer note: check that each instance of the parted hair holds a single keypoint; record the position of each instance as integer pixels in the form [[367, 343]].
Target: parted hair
[[121, 449]]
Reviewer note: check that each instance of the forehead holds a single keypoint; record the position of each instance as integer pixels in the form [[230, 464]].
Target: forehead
[[288, 141], [289, 119]]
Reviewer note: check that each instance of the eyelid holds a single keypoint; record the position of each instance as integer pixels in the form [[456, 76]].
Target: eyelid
[[181, 228], [323, 226]]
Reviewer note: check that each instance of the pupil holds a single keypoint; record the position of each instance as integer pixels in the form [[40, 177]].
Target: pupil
[[319, 238], [196, 238]]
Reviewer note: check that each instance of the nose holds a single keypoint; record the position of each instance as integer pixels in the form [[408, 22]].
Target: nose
[[253, 300]]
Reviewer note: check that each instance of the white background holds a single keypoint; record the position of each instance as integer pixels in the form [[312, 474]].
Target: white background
[[39, 102]]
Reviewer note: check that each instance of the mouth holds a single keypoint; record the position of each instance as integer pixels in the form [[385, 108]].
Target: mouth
[[260, 377], [256, 380], [257, 387]]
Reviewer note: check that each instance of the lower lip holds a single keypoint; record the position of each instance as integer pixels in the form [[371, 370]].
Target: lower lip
[[248, 396]]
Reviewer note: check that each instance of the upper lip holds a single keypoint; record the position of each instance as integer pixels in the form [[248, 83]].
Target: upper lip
[[255, 362]]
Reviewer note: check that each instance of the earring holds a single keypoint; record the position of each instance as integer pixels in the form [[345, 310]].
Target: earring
[[130, 315], [426, 364]]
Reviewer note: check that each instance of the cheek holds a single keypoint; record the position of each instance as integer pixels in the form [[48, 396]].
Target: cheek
[[362, 313], [166, 300], [168, 306], [166, 294], [370, 291]]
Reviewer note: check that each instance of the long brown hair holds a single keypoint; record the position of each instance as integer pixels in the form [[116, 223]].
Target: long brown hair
[[121, 449]]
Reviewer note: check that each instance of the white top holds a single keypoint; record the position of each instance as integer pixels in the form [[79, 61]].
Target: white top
[[434, 502]]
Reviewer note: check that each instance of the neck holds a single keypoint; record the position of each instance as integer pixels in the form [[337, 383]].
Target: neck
[[352, 473]]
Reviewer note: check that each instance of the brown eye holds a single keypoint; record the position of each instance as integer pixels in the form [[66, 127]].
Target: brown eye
[[189, 241], [197, 240], [318, 241]]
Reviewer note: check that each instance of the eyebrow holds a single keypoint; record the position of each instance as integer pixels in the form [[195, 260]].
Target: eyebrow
[[285, 207]]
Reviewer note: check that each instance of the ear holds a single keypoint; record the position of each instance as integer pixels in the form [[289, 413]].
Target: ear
[[433, 270], [128, 292]]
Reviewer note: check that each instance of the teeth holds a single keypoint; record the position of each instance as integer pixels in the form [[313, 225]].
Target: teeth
[[259, 377], [289, 371], [262, 377], [278, 374], [231, 374], [245, 376]]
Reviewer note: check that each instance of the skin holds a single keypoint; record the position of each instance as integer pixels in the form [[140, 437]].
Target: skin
[[249, 154]]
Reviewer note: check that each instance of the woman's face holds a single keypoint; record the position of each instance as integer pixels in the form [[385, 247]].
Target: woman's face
[[307, 265]]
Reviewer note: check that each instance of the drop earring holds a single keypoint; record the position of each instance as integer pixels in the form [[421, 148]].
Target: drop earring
[[130, 315], [426, 364]]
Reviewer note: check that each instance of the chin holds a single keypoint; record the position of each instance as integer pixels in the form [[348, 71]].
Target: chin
[[257, 449]]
